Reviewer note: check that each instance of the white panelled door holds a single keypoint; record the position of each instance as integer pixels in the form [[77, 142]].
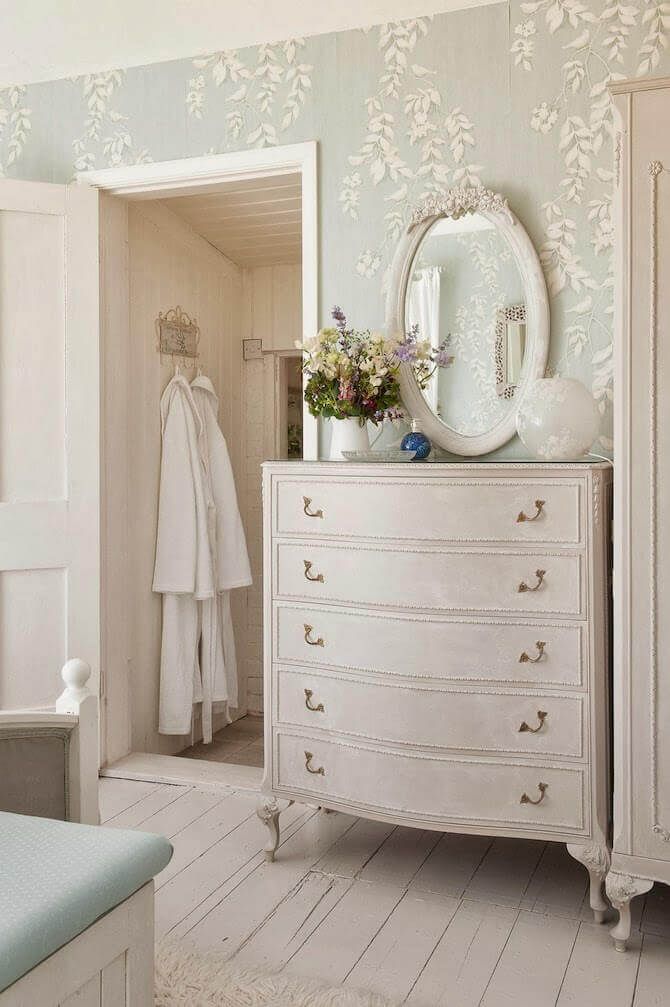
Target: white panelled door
[[49, 437]]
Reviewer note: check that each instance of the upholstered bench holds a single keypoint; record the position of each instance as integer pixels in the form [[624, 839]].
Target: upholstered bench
[[76, 913]]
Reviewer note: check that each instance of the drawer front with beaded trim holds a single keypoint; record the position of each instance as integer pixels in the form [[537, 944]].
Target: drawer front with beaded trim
[[533, 724], [426, 785], [486, 510], [440, 579], [474, 650]]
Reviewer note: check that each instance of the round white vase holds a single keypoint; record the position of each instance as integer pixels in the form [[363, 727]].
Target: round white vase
[[558, 420], [347, 435]]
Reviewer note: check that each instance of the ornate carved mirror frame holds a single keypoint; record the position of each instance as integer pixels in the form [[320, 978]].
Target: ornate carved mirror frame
[[456, 203]]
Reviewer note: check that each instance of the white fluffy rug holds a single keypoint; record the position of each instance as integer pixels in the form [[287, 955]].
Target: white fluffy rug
[[186, 977]]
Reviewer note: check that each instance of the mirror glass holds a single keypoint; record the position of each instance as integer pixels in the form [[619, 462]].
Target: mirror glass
[[465, 289]]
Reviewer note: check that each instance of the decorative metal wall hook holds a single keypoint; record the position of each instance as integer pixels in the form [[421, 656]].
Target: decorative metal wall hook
[[178, 337]]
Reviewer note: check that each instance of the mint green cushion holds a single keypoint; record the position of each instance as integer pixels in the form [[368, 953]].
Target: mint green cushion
[[56, 878]]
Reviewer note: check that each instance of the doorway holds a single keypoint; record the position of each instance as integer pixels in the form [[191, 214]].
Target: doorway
[[232, 240]]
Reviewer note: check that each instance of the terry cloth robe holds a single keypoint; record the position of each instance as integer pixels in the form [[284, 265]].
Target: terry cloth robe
[[184, 572], [231, 559]]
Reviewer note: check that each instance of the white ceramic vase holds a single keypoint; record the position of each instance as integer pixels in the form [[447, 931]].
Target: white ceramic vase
[[558, 420], [347, 435]]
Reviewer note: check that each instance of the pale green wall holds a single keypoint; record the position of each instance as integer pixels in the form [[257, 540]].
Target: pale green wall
[[509, 94]]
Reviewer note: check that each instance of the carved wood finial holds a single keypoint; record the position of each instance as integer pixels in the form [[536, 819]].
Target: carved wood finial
[[75, 673]]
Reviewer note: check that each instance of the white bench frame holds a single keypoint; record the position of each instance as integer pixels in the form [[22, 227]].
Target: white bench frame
[[111, 963], [76, 711]]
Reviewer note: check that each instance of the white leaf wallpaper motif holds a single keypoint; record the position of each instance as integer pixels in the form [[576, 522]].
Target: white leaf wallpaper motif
[[272, 86], [15, 125], [105, 127], [512, 95]]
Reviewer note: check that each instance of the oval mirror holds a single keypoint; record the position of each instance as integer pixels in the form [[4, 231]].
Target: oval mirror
[[469, 301]]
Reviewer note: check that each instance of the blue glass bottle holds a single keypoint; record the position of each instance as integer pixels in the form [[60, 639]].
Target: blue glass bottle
[[417, 441]]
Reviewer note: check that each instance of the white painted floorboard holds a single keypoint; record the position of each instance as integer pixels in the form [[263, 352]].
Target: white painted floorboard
[[427, 920]]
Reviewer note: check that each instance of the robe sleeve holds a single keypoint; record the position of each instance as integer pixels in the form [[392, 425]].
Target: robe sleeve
[[233, 557], [233, 568], [176, 541]]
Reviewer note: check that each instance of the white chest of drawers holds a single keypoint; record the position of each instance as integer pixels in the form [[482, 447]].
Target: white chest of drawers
[[436, 648]]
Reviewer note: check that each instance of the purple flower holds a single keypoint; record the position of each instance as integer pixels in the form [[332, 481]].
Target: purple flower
[[392, 413], [339, 318], [442, 357], [405, 352]]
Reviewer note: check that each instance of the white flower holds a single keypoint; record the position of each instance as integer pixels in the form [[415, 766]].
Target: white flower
[[420, 127], [526, 28], [543, 118], [368, 263], [350, 196], [522, 50]]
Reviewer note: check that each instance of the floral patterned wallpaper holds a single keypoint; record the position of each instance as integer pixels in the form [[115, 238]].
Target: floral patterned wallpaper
[[512, 95]]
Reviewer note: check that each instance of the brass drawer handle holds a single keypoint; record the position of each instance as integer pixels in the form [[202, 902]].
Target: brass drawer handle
[[308, 703], [541, 716], [539, 504], [311, 513], [540, 574], [313, 643], [542, 787], [317, 772], [316, 577], [540, 644]]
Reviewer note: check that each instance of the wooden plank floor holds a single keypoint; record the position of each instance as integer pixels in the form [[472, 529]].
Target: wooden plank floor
[[426, 919]]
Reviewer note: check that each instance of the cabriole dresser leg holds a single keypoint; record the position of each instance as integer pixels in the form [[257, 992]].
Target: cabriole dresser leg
[[621, 889], [596, 860], [269, 810]]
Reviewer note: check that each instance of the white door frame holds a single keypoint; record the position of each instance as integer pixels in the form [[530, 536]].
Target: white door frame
[[190, 175], [193, 175]]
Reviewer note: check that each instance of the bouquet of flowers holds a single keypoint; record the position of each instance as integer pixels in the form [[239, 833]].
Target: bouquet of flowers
[[354, 372]]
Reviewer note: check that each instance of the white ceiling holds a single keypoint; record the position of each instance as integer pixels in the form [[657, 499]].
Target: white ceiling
[[254, 223], [48, 39]]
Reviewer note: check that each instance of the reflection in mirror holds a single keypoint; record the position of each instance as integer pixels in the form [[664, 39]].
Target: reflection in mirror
[[510, 346], [465, 286]]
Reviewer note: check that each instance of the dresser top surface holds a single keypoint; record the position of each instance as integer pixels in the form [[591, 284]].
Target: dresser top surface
[[442, 467]]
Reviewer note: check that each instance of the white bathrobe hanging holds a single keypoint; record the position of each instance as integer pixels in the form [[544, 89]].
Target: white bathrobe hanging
[[184, 572], [200, 555], [231, 559]]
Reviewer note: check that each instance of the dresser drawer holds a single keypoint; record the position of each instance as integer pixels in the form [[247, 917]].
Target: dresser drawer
[[520, 723], [526, 582], [486, 510], [430, 787], [430, 647]]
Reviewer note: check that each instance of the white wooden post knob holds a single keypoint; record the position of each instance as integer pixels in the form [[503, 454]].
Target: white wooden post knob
[[77, 700], [75, 673]]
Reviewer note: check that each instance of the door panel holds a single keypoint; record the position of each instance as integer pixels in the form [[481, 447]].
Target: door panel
[[32, 635], [32, 362], [49, 437]]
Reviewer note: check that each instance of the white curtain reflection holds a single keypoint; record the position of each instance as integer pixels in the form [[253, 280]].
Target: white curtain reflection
[[424, 311]]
